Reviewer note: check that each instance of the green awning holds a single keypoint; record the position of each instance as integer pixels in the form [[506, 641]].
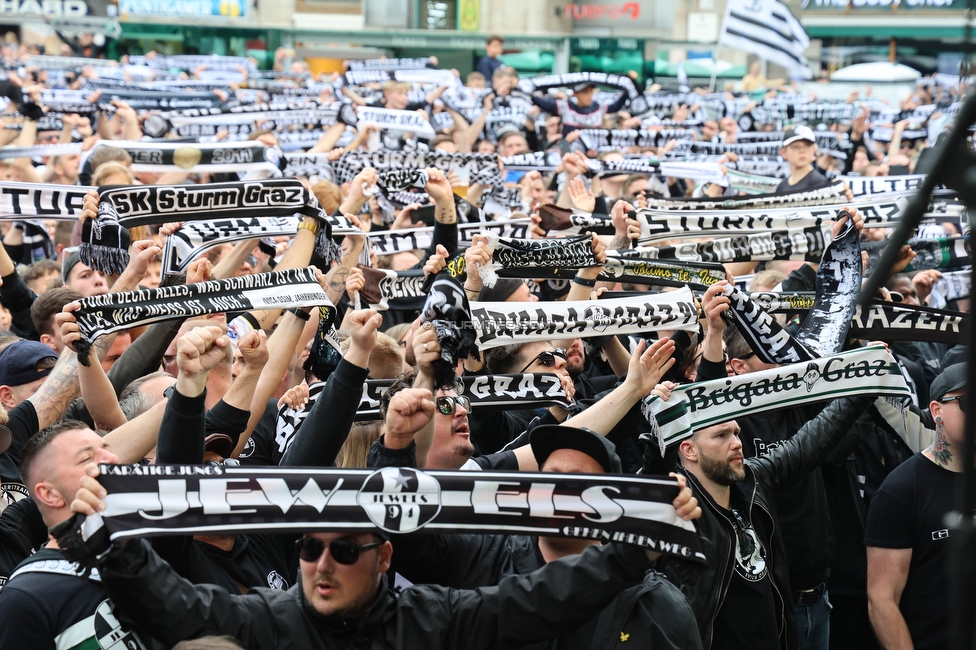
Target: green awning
[[907, 31]]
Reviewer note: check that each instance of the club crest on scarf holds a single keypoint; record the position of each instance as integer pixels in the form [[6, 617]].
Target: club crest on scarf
[[448, 312]]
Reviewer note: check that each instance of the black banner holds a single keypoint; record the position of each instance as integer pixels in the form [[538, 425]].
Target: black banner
[[890, 321], [150, 500]]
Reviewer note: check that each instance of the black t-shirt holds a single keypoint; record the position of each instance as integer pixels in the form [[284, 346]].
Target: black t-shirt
[[49, 603], [22, 532], [22, 424], [748, 617], [261, 449], [811, 181], [907, 512]]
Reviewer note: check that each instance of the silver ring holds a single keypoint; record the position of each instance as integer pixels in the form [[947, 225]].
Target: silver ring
[[425, 347]]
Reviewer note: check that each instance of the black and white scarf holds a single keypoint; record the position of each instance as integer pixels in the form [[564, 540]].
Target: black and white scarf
[[696, 406], [942, 253], [869, 185], [529, 390], [830, 194], [195, 237], [113, 312], [398, 290], [388, 242], [105, 239], [147, 500], [41, 201], [482, 167], [511, 323], [792, 244], [40, 151], [953, 285], [618, 139], [892, 321], [191, 157], [637, 102], [446, 310], [766, 337], [543, 256]]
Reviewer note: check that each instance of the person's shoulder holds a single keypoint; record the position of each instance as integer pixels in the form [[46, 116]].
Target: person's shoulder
[[905, 477]]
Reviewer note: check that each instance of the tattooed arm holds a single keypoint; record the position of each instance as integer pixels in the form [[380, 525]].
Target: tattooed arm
[[61, 386]]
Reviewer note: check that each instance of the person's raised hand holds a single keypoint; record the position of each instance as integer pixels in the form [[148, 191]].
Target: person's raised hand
[[923, 282], [405, 218], [685, 504], [715, 301], [438, 187], [68, 325], [89, 499], [905, 257], [199, 271], [663, 390], [367, 177], [295, 397], [254, 349], [426, 349], [363, 325], [436, 262], [648, 364], [581, 196], [476, 256], [89, 206], [841, 221], [409, 411], [355, 282], [199, 350]]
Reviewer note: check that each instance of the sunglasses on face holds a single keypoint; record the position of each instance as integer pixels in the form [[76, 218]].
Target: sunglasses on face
[[342, 549], [447, 404], [547, 358], [960, 401]]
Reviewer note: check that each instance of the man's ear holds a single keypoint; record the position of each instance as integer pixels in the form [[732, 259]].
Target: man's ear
[[739, 366], [7, 397], [688, 450], [49, 341], [48, 495], [386, 556]]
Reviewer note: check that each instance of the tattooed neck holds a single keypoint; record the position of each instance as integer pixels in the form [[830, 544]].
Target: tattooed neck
[[940, 450]]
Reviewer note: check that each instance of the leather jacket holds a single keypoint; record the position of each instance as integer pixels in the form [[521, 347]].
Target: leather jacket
[[765, 476]]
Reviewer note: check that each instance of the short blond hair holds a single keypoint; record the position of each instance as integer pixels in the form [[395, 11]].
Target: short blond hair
[[110, 169]]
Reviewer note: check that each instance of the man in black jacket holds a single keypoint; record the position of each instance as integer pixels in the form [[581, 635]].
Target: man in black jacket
[[343, 601], [743, 598]]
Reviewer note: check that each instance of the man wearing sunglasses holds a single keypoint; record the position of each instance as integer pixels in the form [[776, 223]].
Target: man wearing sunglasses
[[343, 597], [654, 614], [906, 535]]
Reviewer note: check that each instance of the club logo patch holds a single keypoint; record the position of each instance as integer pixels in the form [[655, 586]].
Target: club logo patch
[[400, 499]]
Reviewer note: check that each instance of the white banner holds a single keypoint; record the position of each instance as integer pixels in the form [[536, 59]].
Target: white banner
[[396, 120]]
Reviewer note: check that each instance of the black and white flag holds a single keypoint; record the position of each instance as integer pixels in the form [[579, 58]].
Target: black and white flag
[[769, 30]]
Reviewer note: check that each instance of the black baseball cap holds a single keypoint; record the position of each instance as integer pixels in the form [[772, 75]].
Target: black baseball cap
[[548, 438], [951, 378], [18, 362], [797, 133]]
